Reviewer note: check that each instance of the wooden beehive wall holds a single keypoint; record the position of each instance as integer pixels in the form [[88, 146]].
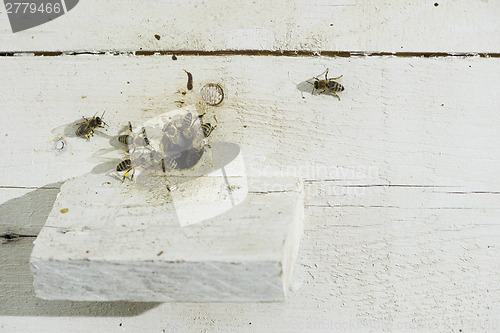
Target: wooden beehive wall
[[403, 196]]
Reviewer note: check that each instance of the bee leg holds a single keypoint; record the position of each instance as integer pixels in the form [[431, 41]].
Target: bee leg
[[125, 175], [133, 173], [334, 94], [83, 122], [326, 74], [336, 78], [164, 169]]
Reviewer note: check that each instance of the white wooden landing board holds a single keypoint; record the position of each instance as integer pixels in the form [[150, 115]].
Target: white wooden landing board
[[321, 25], [107, 240]]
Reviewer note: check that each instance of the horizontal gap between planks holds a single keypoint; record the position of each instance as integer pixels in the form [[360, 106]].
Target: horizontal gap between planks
[[313, 181], [12, 236], [285, 53], [30, 187]]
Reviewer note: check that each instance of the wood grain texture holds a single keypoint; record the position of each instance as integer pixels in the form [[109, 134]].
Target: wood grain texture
[[399, 121], [402, 187], [339, 25], [360, 268], [118, 241]]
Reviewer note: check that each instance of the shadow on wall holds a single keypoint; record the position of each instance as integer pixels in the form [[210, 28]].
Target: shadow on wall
[[21, 219], [26, 215]]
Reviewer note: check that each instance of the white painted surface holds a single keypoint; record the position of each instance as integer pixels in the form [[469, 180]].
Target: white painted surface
[[399, 121], [105, 240], [401, 230], [336, 25]]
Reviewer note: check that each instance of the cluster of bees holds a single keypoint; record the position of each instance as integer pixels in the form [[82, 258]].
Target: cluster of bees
[[181, 146], [182, 141]]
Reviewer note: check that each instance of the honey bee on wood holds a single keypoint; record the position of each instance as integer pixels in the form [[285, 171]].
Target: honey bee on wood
[[87, 127], [190, 80], [125, 165], [327, 85], [207, 128], [127, 139], [129, 164], [135, 141]]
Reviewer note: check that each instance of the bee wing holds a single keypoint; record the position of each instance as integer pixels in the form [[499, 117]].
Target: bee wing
[[67, 130], [306, 86]]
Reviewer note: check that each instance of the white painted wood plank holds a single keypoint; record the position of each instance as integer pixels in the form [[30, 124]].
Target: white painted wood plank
[[105, 240], [339, 25], [390, 117], [18, 295], [399, 121], [360, 269]]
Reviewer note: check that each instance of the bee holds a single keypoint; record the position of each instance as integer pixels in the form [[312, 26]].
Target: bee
[[137, 141], [125, 165], [167, 162], [328, 85], [190, 80], [187, 120], [174, 135], [129, 165], [189, 131], [87, 127], [207, 129], [127, 139], [145, 139]]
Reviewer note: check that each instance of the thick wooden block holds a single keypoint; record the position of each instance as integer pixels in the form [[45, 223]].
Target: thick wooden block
[[105, 240]]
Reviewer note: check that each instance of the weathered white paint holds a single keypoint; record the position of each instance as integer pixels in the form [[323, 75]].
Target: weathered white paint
[[401, 233], [108, 240], [414, 264], [399, 121], [336, 25]]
